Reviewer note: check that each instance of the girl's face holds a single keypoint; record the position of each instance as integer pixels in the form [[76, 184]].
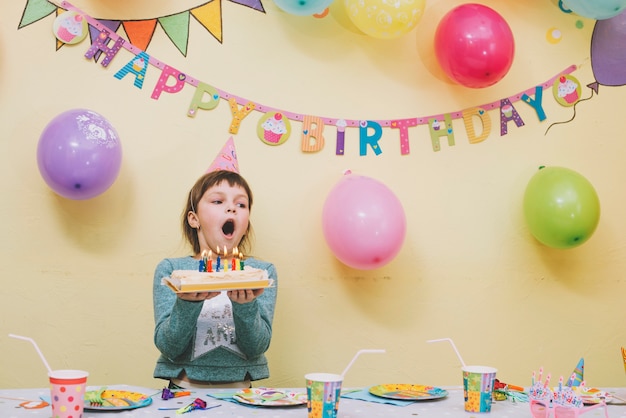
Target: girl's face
[[223, 214]]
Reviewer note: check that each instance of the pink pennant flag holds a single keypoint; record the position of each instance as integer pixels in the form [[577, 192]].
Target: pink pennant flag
[[226, 159]]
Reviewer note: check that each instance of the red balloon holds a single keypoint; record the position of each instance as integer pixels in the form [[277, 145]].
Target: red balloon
[[474, 45]]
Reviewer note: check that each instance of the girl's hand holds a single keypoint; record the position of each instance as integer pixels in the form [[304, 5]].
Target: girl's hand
[[198, 296], [244, 296]]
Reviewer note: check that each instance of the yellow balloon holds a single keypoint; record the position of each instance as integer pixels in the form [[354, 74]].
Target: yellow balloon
[[385, 19]]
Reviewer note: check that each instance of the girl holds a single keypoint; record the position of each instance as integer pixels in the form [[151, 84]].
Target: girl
[[214, 339]]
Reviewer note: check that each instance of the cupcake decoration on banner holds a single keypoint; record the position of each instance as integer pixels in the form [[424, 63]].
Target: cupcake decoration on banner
[[70, 27], [566, 90], [274, 128]]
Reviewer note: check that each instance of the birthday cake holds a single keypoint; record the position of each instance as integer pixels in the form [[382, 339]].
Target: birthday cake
[[185, 281]]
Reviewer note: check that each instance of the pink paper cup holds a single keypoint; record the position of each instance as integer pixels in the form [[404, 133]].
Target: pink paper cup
[[478, 384], [67, 393], [323, 391]]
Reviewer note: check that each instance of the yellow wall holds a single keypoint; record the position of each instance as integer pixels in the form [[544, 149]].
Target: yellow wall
[[77, 275]]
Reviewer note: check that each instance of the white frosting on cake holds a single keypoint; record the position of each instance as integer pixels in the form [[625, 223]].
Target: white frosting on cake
[[197, 281]]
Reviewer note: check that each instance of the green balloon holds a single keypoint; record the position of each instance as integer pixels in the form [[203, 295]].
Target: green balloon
[[561, 207]]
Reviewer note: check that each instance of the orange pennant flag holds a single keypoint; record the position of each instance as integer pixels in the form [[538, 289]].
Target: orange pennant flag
[[140, 32]]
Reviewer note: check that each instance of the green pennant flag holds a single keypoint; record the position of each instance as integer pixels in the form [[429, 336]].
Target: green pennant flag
[[36, 10], [176, 27]]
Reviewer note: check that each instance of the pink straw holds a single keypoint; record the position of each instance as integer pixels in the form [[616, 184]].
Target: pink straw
[[453, 346], [19, 337]]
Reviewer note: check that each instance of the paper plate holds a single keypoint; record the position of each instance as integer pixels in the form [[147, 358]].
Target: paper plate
[[270, 397], [408, 392], [594, 396], [118, 400]]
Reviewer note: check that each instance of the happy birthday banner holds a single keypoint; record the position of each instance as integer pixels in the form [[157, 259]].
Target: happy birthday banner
[[274, 126]]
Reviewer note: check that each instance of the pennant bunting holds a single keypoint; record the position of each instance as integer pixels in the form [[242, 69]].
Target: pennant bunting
[[140, 32], [274, 126]]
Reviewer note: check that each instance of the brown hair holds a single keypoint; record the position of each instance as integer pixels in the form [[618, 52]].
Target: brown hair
[[204, 183]]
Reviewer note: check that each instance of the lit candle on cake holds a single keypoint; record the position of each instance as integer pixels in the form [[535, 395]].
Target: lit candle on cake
[[202, 266], [209, 266], [234, 260], [225, 259], [218, 261], [241, 263]]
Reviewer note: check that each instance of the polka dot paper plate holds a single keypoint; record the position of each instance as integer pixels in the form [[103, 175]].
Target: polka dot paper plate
[[118, 400], [408, 392], [270, 397]]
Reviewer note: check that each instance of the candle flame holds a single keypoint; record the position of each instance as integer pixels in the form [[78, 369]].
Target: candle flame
[[210, 254], [204, 254]]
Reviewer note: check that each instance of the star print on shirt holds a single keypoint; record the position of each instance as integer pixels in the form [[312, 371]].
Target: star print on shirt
[[216, 327]]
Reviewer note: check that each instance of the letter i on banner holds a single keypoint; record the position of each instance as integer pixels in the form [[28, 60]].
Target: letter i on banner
[[100, 44], [468, 120], [371, 140], [162, 85], [312, 134], [340, 148], [203, 90], [439, 128], [137, 66]]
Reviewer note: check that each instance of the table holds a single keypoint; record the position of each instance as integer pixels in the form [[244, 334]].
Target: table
[[449, 407]]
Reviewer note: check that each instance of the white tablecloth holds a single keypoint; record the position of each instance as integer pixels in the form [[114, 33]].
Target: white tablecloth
[[449, 407]]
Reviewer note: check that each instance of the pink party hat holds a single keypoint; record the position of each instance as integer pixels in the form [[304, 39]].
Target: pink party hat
[[226, 159], [577, 374]]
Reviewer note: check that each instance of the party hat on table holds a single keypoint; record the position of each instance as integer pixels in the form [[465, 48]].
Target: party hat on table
[[226, 159], [577, 374]]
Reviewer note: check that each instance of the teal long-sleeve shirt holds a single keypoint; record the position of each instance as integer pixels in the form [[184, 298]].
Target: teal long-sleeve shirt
[[175, 330]]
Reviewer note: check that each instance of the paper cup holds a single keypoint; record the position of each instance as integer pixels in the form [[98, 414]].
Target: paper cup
[[478, 384], [323, 391], [67, 393]]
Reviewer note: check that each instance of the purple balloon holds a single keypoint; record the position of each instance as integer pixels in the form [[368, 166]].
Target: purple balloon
[[608, 54], [79, 154]]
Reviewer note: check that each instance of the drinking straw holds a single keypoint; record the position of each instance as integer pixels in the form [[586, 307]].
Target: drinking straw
[[358, 353], [453, 346], [36, 348]]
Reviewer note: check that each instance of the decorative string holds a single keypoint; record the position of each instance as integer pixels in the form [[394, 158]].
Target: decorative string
[[573, 116]]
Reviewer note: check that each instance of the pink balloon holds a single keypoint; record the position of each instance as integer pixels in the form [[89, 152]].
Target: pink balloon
[[474, 45], [79, 154], [363, 222]]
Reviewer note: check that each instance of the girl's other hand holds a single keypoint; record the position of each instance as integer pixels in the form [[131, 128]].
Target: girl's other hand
[[244, 296], [198, 296]]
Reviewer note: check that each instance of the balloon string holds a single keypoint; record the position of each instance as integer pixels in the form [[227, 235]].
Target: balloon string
[[573, 116]]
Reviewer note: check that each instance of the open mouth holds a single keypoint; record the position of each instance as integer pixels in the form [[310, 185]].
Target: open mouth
[[228, 228]]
